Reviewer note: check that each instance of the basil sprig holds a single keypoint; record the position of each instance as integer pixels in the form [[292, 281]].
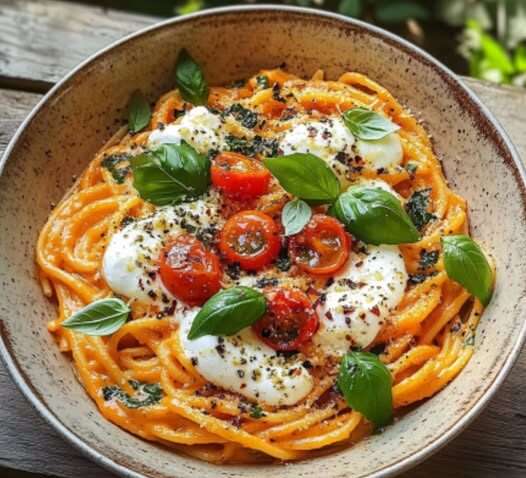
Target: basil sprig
[[367, 124], [228, 311], [102, 317], [139, 112], [466, 264], [365, 382], [295, 216], [305, 176], [190, 79], [374, 216], [170, 174]]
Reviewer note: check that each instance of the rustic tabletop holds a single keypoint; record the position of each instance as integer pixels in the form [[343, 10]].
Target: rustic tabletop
[[39, 42]]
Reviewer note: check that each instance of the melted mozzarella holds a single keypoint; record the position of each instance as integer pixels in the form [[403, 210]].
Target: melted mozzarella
[[325, 139], [378, 183], [384, 153], [363, 294], [198, 127], [244, 364], [130, 261]]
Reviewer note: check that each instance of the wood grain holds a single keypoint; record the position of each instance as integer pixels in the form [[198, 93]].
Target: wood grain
[[41, 41]]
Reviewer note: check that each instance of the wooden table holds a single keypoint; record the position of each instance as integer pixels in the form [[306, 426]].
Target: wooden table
[[39, 42]]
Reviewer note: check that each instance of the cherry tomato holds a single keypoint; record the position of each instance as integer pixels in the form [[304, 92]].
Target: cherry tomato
[[322, 247], [238, 176], [189, 271], [250, 238], [290, 320]]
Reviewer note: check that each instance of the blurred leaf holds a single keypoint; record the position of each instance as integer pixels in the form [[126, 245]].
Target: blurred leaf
[[520, 80], [452, 12], [519, 59], [189, 6], [517, 27], [351, 8], [397, 12], [496, 55]]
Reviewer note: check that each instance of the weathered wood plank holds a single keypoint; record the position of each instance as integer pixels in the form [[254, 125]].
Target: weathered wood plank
[[43, 40], [493, 446]]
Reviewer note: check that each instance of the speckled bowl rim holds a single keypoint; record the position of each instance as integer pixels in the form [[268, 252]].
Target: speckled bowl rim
[[500, 136]]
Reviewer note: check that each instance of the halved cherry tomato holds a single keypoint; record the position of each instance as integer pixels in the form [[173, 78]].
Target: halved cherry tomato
[[322, 247], [189, 271], [238, 176], [290, 320], [250, 238]]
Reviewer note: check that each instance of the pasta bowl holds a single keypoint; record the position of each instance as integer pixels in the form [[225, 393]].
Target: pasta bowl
[[82, 112]]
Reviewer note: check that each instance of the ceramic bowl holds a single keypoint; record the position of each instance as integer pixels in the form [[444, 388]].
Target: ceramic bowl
[[71, 123]]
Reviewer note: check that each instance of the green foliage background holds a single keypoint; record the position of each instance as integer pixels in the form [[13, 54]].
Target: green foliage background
[[483, 38]]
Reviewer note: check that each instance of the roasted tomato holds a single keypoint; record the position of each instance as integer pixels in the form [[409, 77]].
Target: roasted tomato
[[238, 176], [322, 247], [189, 271], [250, 238], [290, 320]]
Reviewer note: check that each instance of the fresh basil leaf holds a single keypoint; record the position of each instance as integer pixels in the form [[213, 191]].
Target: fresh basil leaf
[[466, 264], [102, 317], [367, 124], [139, 112], [374, 216], [190, 79], [171, 174], [366, 384], [295, 216], [228, 311], [305, 176]]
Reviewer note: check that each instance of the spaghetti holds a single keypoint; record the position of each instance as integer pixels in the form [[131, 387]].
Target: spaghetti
[[426, 342]]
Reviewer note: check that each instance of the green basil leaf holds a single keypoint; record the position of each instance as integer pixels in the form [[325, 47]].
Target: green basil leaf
[[400, 11], [305, 176], [190, 79], [466, 264], [366, 384], [102, 317], [139, 112], [170, 174], [367, 124], [228, 311], [295, 216], [374, 216], [351, 8]]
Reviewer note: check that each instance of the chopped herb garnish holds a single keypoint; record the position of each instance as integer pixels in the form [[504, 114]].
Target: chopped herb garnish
[[276, 93], [127, 220], [428, 259], [417, 208], [207, 235], [411, 168], [146, 394], [263, 81], [114, 164], [283, 262], [259, 145], [256, 412], [419, 278], [248, 118]]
